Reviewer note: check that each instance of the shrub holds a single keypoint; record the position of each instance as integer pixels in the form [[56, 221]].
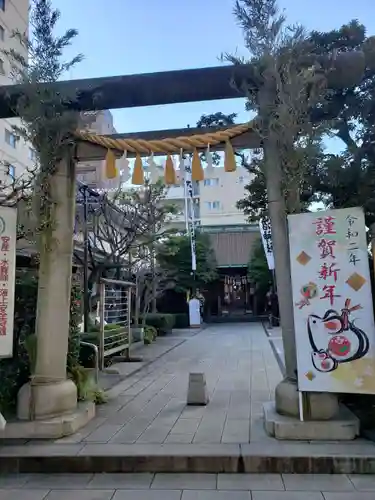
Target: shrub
[[16, 371], [182, 320], [150, 334], [162, 322]]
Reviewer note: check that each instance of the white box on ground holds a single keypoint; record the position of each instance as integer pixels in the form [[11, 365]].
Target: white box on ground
[[3, 422], [195, 319], [197, 389]]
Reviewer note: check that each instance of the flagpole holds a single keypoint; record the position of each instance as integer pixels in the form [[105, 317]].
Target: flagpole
[[186, 205]]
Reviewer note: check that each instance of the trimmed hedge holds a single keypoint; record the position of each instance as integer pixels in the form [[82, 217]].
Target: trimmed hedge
[[181, 320], [163, 323]]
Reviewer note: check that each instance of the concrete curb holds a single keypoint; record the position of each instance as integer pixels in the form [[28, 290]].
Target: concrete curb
[[279, 360], [251, 458]]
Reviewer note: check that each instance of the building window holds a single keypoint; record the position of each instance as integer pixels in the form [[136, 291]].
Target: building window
[[211, 182], [2, 69], [240, 179], [2, 33], [11, 170], [2, 4], [10, 138], [213, 205], [32, 154]]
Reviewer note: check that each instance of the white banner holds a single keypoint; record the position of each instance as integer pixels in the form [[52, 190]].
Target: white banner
[[266, 233], [189, 209], [333, 310], [8, 235]]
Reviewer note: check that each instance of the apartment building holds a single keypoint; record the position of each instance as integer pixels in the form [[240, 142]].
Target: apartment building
[[215, 198], [93, 173], [15, 154]]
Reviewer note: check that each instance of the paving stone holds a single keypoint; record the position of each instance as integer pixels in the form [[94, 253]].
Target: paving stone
[[13, 480], [103, 434], [241, 411], [186, 426], [365, 482], [348, 496], [121, 481], [147, 495], [23, 495], [179, 438], [184, 481], [317, 482], [58, 481], [287, 495], [131, 432], [216, 495], [266, 482], [79, 495], [155, 434], [236, 431]]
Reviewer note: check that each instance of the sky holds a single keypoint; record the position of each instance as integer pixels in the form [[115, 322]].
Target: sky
[[120, 37]]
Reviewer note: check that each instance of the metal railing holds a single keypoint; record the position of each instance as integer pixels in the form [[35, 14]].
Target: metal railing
[[115, 318]]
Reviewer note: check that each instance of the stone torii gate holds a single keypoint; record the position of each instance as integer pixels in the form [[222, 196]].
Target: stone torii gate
[[51, 394]]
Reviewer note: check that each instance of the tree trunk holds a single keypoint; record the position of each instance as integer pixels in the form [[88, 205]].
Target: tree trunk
[[293, 197]]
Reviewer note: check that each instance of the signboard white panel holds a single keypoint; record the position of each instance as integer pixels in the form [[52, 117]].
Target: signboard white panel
[[8, 235], [333, 310]]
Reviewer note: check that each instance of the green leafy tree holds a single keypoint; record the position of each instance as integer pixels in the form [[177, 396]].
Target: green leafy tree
[[336, 180], [174, 257], [258, 270]]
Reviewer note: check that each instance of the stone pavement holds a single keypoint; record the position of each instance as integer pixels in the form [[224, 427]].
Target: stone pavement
[[148, 486], [147, 427], [148, 354], [149, 407]]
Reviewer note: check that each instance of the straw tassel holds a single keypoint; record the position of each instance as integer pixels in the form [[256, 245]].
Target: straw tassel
[[197, 173], [110, 165], [138, 178], [230, 160], [169, 172]]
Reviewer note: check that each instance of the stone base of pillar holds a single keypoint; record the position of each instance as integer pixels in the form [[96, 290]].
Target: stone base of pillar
[[322, 405], [343, 427], [41, 401], [48, 411], [50, 428]]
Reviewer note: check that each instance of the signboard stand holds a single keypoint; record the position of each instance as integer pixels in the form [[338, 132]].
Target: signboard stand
[[300, 403]]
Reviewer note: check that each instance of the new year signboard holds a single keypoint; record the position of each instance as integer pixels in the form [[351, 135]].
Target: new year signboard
[[8, 233], [333, 311]]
